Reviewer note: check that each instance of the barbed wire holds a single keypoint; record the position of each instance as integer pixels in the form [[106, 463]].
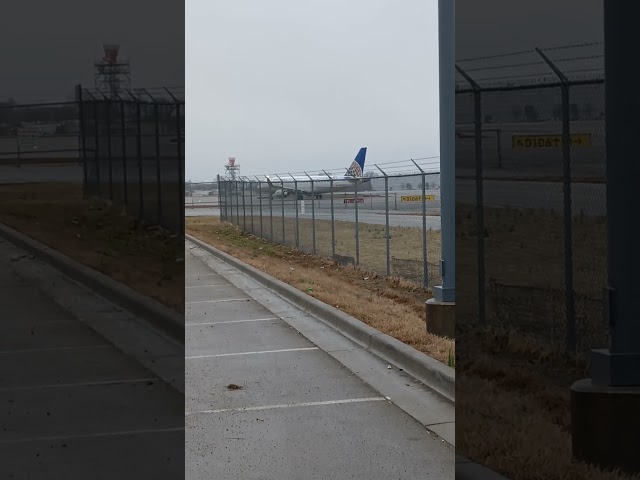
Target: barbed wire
[[147, 95], [491, 57], [572, 59], [540, 71], [429, 165], [577, 45], [527, 52]]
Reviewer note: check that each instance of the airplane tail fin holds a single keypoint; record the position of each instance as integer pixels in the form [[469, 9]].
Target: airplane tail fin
[[357, 166]]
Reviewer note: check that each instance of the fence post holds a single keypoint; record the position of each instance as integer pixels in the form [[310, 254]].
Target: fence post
[[271, 214], [313, 213], [568, 220], [237, 197], [83, 147], [295, 186], [283, 230], [244, 207], [125, 177], [156, 111], [355, 200], [180, 163], [220, 198], [222, 193], [333, 227], [425, 263], [499, 140], [139, 156], [96, 123], [386, 219], [108, 104], [260, 201], [229, 193], [180, 166], [251, 194], [477, 99]]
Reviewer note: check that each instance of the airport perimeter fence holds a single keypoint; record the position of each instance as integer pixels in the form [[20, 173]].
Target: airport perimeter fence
[[132, 147], [388, 224], [541, 123], [39, 132], [201, 195]]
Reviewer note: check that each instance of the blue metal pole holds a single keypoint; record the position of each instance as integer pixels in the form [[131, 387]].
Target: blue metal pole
[[446, 20]]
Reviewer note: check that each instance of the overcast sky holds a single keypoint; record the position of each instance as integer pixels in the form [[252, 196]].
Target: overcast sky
[[288, 85], [48, 47], [498, 26]]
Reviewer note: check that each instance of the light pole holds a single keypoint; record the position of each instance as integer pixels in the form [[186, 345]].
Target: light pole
[[604, 408], [440, 310]]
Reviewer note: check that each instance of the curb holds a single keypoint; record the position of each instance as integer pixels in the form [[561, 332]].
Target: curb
[[467, 470], [432, 373], [146, 308]]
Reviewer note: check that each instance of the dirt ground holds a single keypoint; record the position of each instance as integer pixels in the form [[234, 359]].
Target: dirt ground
[[391, 305], [145, 258], [512, 376]]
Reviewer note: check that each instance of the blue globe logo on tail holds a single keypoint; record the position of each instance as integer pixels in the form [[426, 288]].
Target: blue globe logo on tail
[[357, 166]]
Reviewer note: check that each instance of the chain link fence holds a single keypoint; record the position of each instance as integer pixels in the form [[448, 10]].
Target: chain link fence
[[132, 147], [530, 166], [42, 132], [387, 222]]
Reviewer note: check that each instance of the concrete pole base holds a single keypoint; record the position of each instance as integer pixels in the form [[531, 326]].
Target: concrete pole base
[[605, 424], [441, 318]]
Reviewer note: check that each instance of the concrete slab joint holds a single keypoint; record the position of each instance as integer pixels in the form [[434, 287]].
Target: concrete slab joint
[[432, 373]]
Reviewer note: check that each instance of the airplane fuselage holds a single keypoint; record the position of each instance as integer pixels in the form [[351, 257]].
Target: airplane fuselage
[[314, 185]]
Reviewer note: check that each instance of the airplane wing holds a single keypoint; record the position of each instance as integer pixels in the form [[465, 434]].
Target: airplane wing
[[287, 190]]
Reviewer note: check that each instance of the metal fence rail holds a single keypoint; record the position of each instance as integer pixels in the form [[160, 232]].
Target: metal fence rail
[[132, 148], [42, 131], [388, 223], [530, 161]]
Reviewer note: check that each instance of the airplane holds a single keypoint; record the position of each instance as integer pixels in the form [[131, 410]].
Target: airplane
[[284, 186]]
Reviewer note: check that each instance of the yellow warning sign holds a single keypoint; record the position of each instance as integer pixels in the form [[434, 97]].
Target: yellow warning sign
[[417, 198], [550, 141]]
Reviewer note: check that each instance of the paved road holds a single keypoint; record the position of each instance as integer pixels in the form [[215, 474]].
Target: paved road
[[74, 405], [299, 414], [42, 173], [364, 216], [589, 198]]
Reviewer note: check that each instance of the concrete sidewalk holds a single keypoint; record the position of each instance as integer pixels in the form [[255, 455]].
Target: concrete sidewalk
[[267, 397], [76, 406]]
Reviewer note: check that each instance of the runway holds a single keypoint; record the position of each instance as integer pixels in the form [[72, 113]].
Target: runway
[[41, 173], [366, 217], [403, 211], [586, 198]]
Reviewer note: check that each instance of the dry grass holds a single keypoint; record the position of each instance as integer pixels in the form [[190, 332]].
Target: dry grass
[[391, 305], [99, 236], [404, 243], [513, 377]]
